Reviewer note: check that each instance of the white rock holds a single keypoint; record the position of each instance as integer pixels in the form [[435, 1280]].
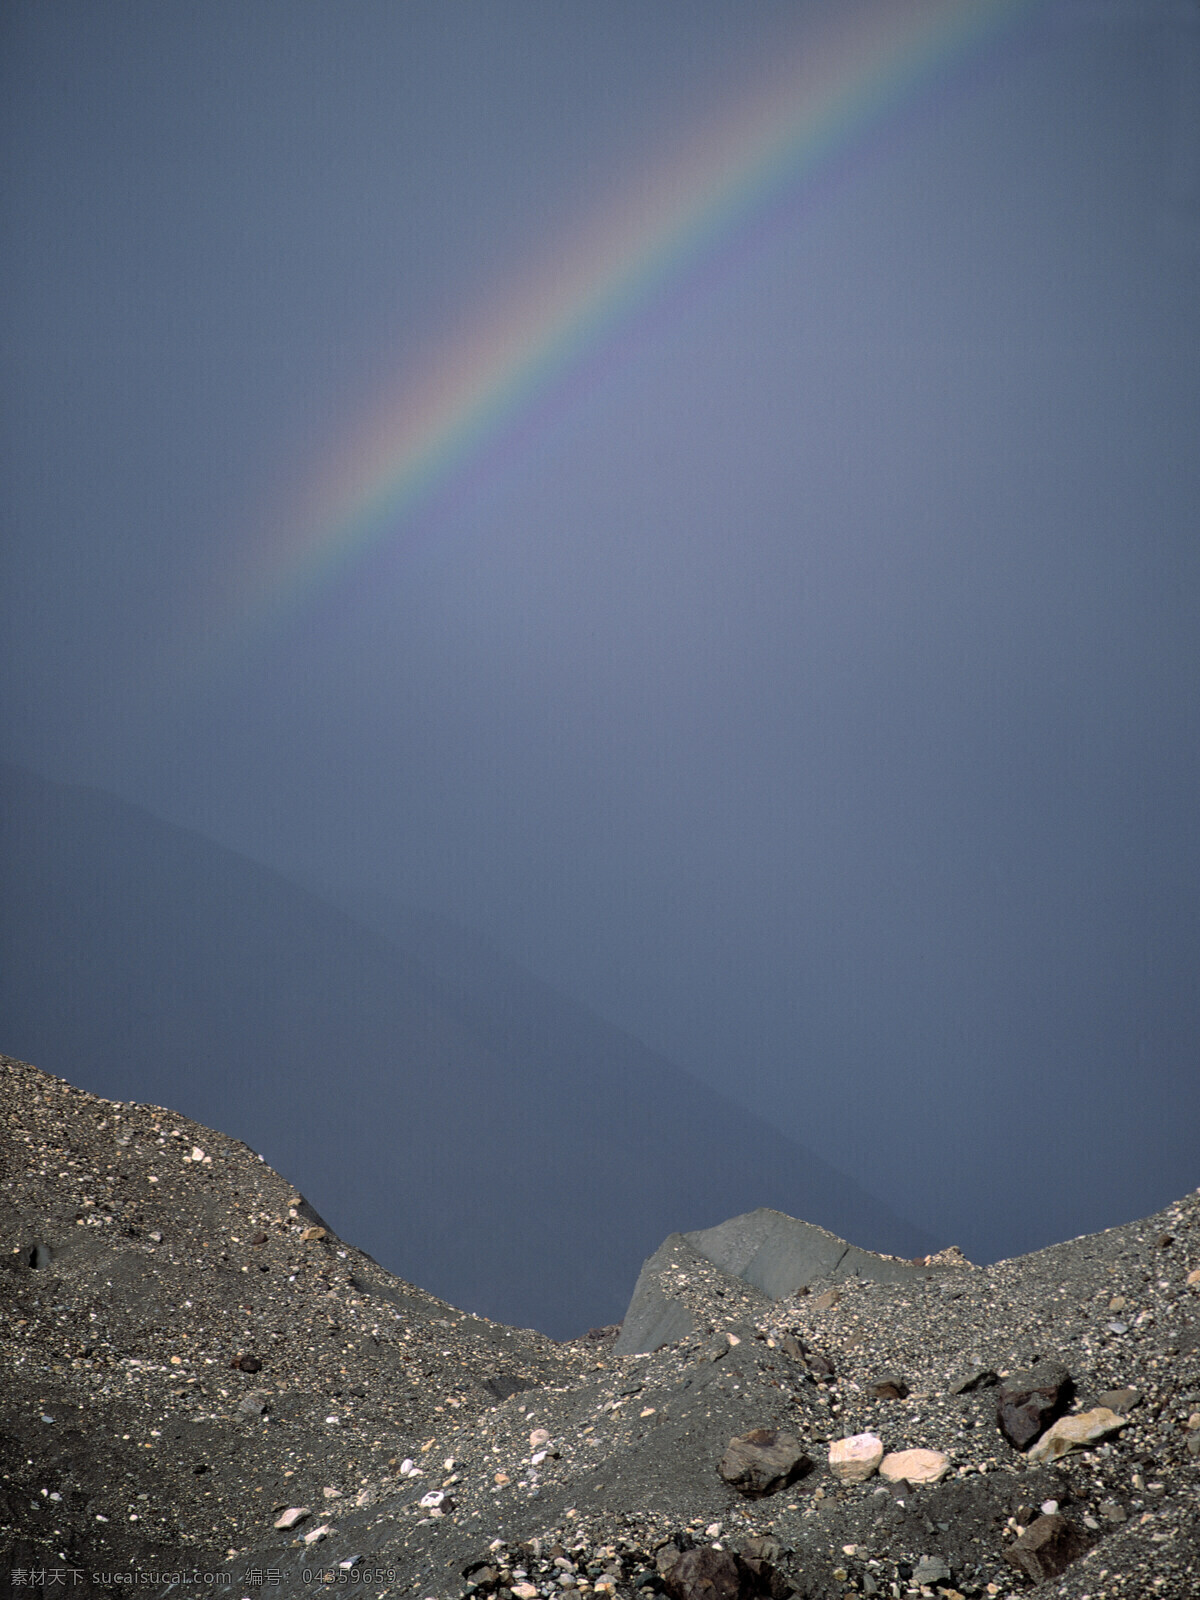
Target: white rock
[[292, 1516], [538, 1438], [914, 1466], [433, 1499], [407, 1467], [318, 1534], [854, 1459]]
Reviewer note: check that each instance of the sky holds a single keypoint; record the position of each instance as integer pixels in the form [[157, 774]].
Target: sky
[[703, 495]]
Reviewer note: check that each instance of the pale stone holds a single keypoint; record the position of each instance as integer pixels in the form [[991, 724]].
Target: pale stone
[[854, 1459], [292, 1516], [914, 1466], [538, 1438], [1071, 1433]]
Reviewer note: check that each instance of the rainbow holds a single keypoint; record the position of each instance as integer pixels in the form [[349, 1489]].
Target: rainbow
[[840, 79]]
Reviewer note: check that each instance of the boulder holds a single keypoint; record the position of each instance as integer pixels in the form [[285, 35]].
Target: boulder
[[854, 1459], [705, 1573], [1046, 1548], [761, 1461], [914, 1466], [1029, 1401], [1072, 1433]]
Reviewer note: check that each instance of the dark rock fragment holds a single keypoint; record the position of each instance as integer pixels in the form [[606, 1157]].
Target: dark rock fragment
[[791, 1346], [761, 1461], [481, 1575], [889, 1386], [768, 1580], [819, 1365], [1122, 1401], [1029, 1401], [703, 1573], [243, 1363], [976, 1378], [931, 1569], [762, 1548], [1046, 1548]]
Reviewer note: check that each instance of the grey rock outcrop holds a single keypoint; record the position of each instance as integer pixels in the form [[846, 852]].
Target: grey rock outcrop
[[767, 1255]]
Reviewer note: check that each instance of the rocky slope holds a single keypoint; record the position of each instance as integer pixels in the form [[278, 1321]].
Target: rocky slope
[[206, 1389]]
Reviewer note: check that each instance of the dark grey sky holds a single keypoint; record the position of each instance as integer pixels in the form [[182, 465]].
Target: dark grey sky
[[808, 682]]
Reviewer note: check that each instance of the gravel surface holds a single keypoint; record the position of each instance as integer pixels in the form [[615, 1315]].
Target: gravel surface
[[190, 1353]]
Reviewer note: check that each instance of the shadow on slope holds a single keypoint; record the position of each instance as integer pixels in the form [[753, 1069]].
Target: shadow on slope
[[478, 1134]]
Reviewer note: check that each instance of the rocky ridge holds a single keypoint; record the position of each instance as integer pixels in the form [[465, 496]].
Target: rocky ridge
[[206, 1388]]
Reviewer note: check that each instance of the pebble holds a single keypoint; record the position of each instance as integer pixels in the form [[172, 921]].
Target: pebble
[[889, 1386], [292, 1516], [1120, 1400]]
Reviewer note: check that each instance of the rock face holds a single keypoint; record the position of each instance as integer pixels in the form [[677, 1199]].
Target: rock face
[[763, 1461], [1029, 1401], [136, 1435]]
